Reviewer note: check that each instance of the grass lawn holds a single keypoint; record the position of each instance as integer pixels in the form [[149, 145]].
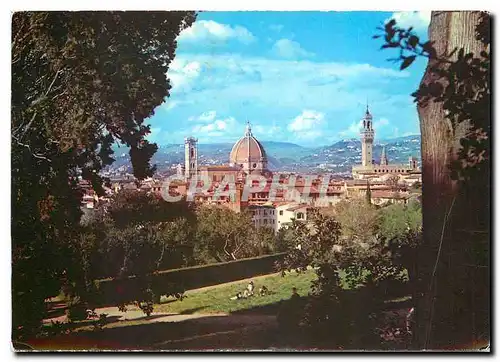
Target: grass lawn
[[216, 299]]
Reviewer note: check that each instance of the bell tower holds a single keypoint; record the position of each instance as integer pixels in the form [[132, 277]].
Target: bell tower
[[190, 157], [367, 136]]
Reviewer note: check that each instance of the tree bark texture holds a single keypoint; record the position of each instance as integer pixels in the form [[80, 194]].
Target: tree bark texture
[[453, 263]]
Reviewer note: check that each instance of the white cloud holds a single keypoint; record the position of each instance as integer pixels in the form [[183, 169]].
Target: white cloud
[[307, 125], [213, 32], [355, 127], [169, 104], [233, 78], [220, 126], [419, 20], [290, 49], [353, 130], [154, 131], [182, 73], [172, 103], [380, 123], [267, 130], [264, 89]]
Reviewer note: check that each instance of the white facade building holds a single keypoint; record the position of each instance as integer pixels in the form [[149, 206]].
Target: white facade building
[[287, 212]]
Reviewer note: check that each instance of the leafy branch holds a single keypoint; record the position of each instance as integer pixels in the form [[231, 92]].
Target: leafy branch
[[459, 80]]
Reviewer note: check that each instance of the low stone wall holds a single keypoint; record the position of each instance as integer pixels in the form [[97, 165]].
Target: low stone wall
[[115, 291]]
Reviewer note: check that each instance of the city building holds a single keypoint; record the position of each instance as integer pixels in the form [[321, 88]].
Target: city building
[[219, 173], [368, 167], [298, 193], [248, 154], [383, 197], [263, 215], [247, 157], [286, 213]]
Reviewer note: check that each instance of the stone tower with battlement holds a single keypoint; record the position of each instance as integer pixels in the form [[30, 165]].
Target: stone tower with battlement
[[367, 137], [190, 157]]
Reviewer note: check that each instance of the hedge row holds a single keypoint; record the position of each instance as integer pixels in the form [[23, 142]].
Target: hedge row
[[168, 282]]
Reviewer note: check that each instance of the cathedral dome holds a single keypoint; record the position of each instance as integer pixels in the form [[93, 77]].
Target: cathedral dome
[[248, 153]]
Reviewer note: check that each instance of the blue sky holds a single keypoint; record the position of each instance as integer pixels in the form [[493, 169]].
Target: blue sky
[[301, 77]]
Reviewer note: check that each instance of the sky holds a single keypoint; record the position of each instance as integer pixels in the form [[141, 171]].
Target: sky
[[300, 77]]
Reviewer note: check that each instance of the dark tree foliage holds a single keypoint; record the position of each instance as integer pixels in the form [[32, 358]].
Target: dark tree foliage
[[80, 82], [353, 271], [396, 219], [135, 235], [131, 208], [138, 234], [368, 194], [224, 235]]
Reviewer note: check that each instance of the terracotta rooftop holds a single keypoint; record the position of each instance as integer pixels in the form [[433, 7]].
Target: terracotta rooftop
[[297, 207], [219, 168], [252, 206]]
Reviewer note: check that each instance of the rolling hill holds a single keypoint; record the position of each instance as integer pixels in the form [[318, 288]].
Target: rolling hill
[[284, 156]]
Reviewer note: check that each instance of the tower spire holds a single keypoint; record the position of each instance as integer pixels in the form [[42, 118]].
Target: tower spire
[[383, 157], [368, 115]]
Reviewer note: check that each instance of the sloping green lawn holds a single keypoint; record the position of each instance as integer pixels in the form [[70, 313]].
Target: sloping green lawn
[[216, 299]]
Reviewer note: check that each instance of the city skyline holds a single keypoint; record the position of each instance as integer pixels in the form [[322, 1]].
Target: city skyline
[[304, 85]]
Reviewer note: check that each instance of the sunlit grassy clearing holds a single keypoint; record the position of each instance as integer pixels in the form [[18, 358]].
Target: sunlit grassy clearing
[[216, 299]]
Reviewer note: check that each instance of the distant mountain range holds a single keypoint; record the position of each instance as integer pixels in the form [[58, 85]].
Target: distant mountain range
[[284, 156]]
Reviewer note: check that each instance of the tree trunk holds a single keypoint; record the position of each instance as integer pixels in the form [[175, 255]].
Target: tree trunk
[[453, 282]]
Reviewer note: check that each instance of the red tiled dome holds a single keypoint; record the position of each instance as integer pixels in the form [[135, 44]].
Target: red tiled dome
[[247, 149]]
